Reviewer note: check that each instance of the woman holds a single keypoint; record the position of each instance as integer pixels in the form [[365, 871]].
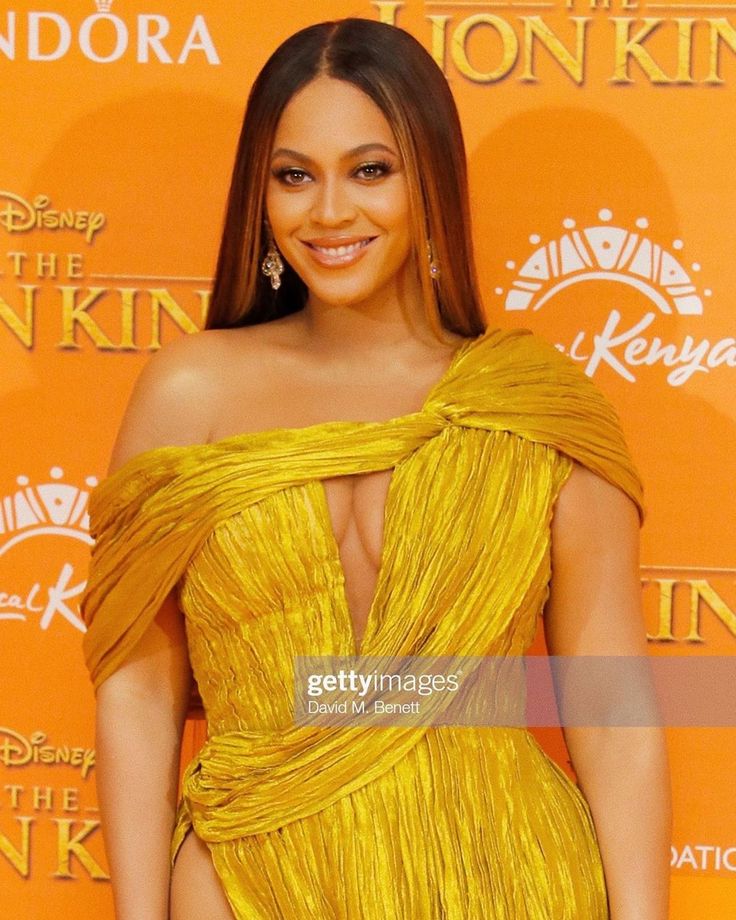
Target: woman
[[347, 461]]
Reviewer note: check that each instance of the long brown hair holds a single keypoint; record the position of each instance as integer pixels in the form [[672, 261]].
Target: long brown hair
[[395, 71]]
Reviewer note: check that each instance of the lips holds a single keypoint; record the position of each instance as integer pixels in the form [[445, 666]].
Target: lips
[[338, 251]]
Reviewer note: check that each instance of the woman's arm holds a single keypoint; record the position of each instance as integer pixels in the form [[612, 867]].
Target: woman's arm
[[141, 707], [594, 608], [140, 716]]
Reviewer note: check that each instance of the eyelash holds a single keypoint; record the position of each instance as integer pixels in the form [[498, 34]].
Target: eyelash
[[283, 174]]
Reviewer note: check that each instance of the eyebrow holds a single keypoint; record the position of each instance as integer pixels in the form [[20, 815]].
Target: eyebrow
[[356, 151]]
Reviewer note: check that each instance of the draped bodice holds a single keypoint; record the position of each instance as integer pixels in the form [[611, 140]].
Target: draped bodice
[[241, 529]]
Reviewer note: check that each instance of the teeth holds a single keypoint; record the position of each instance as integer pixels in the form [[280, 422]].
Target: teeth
[[341, 250]]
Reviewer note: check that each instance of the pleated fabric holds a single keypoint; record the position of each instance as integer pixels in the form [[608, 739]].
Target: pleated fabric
[[368, 823]]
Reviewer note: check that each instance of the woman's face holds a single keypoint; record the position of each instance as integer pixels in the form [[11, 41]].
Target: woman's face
[[337, 198]]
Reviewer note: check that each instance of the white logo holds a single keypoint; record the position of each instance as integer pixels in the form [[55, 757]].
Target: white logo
[[627, 257], [52, 508], [104, 37], [703, 857]]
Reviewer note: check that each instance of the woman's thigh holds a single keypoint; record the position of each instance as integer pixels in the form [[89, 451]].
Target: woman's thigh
[[196, 890]]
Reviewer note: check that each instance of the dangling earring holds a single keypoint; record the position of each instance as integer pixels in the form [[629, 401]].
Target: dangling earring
[[434, 269], [272, 266]]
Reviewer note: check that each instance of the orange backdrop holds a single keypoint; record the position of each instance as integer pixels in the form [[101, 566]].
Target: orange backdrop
[[599, 136]]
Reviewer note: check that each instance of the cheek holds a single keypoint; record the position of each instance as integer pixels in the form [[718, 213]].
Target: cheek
[[389, 207], [283, 209]]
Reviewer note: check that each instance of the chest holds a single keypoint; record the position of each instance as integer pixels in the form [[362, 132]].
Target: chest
[[356, 506], [307, 552]]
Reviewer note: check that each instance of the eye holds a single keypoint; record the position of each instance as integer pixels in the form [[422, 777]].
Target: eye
[[373, 170], [291, 175]]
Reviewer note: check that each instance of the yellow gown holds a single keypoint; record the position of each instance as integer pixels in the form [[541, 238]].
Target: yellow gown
[[368, 823]]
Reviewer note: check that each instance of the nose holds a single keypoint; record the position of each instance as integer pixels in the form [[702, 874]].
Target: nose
[[332, 205]]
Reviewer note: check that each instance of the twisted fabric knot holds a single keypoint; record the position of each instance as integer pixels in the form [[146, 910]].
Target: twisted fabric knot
[[244, 783]]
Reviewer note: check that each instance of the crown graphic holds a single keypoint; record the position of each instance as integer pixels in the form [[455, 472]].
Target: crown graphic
[[104, 6], [49, 508], [604, 252]]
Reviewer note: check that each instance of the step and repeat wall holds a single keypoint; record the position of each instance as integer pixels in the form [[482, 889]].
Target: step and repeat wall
[[600, 144]]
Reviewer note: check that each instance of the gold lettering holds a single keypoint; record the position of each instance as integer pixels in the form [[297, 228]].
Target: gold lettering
[[18, 258], [15, 792], [22, 329], [387, 10], [684, 50], [74, 314], [70, 799], [458, 47], [439, 39], [43, 797], [68, 846], [19, 859], [630, 47], [127, 318], [535, 27], [161, 299], [74, 265], [46, 265], [665, 624], [720, 30], [204, 304], [701, 590]]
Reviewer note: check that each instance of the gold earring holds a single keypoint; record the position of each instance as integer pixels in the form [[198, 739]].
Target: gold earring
[[273, 266], [434, 268]]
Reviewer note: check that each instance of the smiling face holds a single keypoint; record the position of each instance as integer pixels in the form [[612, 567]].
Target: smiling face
[[337, 199]]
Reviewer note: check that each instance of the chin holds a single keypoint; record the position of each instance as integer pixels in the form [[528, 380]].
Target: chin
[[342, 295], [346, 301]]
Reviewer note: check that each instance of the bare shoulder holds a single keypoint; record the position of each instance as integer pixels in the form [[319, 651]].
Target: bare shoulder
[[591, 512], [176, 395], [594, 605]]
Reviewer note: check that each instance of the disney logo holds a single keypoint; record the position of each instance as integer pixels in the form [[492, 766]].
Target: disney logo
[[20, 216], [17, 750]]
